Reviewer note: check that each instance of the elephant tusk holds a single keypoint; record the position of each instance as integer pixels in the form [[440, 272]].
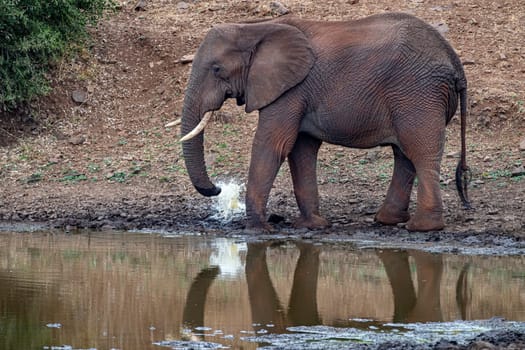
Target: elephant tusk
[[173, 123], [198, 129]]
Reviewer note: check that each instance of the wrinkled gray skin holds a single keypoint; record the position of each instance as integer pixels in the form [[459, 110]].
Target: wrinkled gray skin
[[388, 79]]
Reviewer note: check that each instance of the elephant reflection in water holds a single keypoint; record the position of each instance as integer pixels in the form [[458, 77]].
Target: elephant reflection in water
[[266, 308], [264, 302], [426, 305], [193, 314]]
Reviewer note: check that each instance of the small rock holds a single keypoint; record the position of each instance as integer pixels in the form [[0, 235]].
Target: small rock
[[275, 218], [519, 171], [141, 5], [453, 154], [487, 159], [77, 140], [183, 5], [79, 96], [215, 7], [278, 8]]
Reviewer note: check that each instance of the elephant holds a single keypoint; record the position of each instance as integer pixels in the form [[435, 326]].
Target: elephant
[[384, 80]]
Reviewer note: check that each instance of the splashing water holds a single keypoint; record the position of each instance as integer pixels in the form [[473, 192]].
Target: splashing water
[[227, 203], [227, 256]]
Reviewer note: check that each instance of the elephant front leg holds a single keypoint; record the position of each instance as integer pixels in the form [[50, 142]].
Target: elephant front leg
[[260, 180], [303, 164], [276, 134], [265, 163]]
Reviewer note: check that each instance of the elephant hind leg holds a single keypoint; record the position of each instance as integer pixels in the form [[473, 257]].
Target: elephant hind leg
[[303, 162], [420, 128], [394, 209], [429, 211]]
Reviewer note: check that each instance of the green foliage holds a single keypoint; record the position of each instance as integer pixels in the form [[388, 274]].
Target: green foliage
[[73, 176], [33, 35], [119, 176]]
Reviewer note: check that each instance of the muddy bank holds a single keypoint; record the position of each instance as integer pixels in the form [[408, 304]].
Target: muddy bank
[[136, 208]]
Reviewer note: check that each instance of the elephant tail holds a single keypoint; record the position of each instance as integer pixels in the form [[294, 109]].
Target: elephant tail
[[463, 174]]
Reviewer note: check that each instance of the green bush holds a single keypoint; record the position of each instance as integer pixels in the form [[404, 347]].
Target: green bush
[[33, 35]]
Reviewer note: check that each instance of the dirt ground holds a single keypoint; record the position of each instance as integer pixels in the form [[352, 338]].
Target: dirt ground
[[108, 161]]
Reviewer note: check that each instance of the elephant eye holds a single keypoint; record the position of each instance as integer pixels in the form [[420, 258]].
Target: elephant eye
[[216, 69]]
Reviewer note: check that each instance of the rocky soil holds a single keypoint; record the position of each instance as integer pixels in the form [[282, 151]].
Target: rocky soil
[[95, 153]]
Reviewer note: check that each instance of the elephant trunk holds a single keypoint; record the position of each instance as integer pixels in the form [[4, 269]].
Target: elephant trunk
[[193, 149]]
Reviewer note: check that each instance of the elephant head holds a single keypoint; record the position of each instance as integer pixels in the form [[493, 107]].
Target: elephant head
[[254, 63]]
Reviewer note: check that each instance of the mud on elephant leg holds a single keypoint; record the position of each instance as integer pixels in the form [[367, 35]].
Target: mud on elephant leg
[[303, 163], [395, 207]]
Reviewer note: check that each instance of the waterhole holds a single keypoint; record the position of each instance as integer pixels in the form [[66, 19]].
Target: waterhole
[[104, 290]]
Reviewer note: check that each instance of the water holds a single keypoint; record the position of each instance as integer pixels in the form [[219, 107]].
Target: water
[[150, 291], [227, 204]]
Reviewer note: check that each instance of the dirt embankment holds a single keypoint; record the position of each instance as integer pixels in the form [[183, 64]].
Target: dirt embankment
[[109, 161]]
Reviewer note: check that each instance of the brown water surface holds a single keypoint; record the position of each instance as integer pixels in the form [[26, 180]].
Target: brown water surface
[[129, 291]]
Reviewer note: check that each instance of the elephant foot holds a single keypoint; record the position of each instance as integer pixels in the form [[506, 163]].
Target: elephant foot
[[426, 221], [391, 216], [313, 222]]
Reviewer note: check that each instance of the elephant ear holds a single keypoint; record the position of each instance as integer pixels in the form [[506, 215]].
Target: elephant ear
[[281, 59]]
